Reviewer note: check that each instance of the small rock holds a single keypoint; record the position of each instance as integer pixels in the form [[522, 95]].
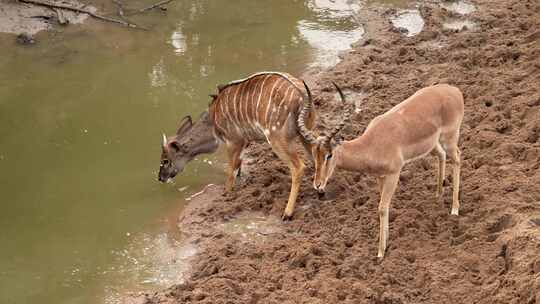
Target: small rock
[[25, 39], [536, 266], [502, 126]]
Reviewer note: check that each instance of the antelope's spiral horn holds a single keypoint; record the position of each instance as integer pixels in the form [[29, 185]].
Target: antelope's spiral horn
[[306, 108], [346, 115]]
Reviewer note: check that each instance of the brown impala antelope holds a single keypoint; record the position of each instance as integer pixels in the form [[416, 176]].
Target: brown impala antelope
[[428, 121], [263, 107]]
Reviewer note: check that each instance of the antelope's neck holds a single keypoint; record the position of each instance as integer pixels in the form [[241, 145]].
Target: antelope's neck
[[354, 155]]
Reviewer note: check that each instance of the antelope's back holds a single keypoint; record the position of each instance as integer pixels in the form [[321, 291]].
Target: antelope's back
[[256, 107]]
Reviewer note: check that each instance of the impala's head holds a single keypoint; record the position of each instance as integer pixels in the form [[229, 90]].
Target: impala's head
[[323, 148], [190, 140]]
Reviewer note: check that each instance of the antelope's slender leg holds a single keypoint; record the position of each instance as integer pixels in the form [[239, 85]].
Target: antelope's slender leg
[[456, 160], [450, 141], [441, 155], [289, 154], [233, 151], [389, 185]]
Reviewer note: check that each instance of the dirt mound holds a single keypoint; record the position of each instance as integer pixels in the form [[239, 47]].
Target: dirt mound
[[489, 254]]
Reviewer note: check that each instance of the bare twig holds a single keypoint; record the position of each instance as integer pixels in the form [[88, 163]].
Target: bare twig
[[144, 9], [83, 11], [121, 13]]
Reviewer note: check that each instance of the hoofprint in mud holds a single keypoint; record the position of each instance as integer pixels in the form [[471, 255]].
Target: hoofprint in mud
[[325, 255]]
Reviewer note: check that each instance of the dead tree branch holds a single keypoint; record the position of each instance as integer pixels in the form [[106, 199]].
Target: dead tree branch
[[158, 4], [83, 11], [121, 12]]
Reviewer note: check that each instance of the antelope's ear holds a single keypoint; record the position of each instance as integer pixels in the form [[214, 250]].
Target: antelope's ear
[[185, 125], [214, 97], [204, 116], [175, 146]]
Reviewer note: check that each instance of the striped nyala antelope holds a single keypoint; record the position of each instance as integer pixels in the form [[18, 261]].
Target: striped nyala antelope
[[262, 107]]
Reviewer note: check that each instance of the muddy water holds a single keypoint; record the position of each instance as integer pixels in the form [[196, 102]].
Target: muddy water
[[83, 217]]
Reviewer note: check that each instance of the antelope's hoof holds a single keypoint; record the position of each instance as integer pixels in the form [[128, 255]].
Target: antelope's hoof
[[285, 217], [320, 195]]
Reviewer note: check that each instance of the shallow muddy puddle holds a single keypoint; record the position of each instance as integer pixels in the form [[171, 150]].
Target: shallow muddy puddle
[[459, 24], [408, 21], [460, 7]]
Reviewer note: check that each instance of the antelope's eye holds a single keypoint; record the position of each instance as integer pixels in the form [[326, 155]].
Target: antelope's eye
[[165, 162], [328, 156]]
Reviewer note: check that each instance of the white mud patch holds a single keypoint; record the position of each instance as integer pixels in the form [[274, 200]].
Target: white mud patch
[[409, 22], [252, 227], [459, 7], [459, 25]]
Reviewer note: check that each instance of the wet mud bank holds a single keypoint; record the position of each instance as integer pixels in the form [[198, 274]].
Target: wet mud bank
[[327, 253]]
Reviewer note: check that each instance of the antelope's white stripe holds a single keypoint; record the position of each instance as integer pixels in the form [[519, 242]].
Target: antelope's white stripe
[[244, 114], [255, 104], [226, 105], [219, 127], [253, 111], [260, 94], [285, 99], [231, 118], [234, 105], [267, 120], [223, 112], [241, 102]]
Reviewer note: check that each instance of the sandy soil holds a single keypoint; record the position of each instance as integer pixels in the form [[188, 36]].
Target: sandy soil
[[327, 254]]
